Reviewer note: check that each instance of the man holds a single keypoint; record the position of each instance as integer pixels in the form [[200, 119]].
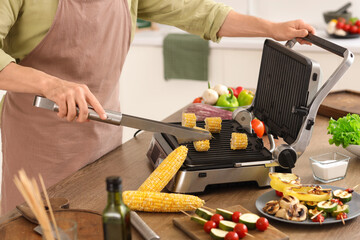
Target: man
[[72, 52]]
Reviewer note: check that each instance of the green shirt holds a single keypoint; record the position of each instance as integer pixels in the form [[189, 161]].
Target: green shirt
[[24, 23]]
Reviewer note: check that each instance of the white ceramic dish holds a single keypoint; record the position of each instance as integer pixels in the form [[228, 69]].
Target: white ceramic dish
[[354, 149]]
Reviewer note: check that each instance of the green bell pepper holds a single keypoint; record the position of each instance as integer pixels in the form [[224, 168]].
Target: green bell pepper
[[228, 101], [245, 98]]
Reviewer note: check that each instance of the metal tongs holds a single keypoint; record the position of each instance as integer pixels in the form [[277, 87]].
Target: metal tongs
[[183, 134]]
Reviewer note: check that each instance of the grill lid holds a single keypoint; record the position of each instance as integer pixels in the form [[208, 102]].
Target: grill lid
[[282, 90]]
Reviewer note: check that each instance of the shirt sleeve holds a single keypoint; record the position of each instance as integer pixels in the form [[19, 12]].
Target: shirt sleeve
[[9, 10], [200, 17]]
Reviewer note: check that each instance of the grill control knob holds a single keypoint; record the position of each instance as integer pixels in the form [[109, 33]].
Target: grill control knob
[[286, 156]]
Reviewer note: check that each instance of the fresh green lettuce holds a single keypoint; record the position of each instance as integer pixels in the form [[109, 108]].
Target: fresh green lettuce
[[345, 130]]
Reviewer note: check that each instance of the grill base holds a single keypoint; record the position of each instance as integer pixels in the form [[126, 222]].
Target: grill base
[[197, 181]]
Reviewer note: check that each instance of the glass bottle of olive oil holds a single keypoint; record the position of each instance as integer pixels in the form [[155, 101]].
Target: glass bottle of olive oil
[[116, 215]]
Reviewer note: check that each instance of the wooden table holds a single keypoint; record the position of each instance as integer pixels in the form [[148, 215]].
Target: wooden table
[[86, 188]]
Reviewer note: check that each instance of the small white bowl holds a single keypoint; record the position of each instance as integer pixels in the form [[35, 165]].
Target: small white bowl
[[329, 167], [354, 149]]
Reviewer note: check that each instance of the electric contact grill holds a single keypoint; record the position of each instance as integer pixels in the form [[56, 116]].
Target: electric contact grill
[[287, 100]]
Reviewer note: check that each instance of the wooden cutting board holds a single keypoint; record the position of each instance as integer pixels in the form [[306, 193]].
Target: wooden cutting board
[[195, 230], [339, 103], [89, 226]]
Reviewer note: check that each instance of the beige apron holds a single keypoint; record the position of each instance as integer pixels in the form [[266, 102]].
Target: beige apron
[[87, 43]]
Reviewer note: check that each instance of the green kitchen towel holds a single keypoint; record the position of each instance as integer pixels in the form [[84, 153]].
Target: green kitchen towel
[[185, 57]]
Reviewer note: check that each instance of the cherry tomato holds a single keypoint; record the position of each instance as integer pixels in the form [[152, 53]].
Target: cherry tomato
[[280, 194], [209, 225], [231, 236], [241, 230], [197, 100], [258, 127], [335, 200], [354, 29], [217, 218], [346, 27], [357, 23], [340, 25], [235, 217], [319, 218], [341, 19], [344, 216], [349, 190], [262, 224]]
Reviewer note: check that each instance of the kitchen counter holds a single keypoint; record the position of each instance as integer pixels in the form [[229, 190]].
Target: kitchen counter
[[86, 188]]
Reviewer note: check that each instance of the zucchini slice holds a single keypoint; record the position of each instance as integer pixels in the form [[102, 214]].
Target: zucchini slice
[[315, 211], [218, 234], [342, 195], [227, 225], [203, 213], [341, 209], [200, 220], [311, 204], [327, 206], [225, 213], [249, 219]]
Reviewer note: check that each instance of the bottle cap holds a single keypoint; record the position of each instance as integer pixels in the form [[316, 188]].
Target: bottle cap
[[113, 184]]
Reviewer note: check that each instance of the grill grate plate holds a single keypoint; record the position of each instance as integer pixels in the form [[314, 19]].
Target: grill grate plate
[[220, 155]]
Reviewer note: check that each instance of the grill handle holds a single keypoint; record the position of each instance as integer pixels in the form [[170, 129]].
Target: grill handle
[[320, 42], [305, 132]]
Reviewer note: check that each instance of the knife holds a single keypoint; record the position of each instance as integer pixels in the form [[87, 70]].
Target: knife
[[183, 134], [146, 232]]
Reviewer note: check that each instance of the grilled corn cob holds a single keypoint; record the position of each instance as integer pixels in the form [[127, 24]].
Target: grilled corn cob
[[162, 175], [213, 124], [188, 120], [161, 202], [201, 145], [238, 141]]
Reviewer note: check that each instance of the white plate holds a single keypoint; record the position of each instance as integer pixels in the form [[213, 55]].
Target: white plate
[[354, 149], [354, 207]]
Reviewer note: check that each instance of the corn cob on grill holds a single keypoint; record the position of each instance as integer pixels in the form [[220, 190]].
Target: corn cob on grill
[[188, 120], [161, 202], [162, 175], [202, 145], [238, 141], [213, 124]]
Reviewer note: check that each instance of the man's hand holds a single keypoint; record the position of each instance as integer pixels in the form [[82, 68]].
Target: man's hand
[[67, 95], [292, 29]]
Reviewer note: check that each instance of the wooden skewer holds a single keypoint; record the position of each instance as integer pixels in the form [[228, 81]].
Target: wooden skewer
[[50, 208], [250, 235], [213, 210], [316, 214], [355, 186], [342, 219], [31, 194], [185, 213]]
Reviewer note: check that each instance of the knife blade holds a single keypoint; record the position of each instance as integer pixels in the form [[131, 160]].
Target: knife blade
[[183, 134]]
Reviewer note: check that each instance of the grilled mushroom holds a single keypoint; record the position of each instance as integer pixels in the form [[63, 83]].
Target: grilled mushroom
[[287, 201], [281, 213], [272, 207], [296, 212]]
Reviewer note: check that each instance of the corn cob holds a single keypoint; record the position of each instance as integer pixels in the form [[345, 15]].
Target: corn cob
[[188, 120], [202, 145], [213, 124], [238, 141], [162, 175], [161, 202]]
